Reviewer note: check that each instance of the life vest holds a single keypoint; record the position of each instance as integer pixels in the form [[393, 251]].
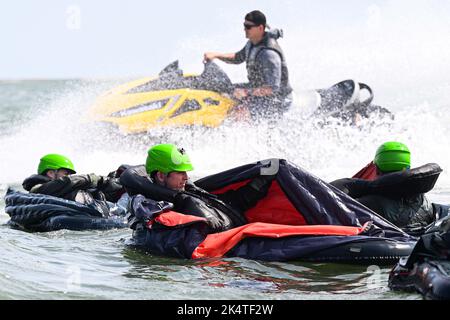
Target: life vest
[[254, 67], [396, 184], [193, 201], [397, 196]]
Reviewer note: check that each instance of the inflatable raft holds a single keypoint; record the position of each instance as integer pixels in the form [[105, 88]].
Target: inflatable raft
[[301, 218], [42, 213]]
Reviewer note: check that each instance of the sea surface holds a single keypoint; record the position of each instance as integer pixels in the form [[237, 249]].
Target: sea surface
[[43, 116]]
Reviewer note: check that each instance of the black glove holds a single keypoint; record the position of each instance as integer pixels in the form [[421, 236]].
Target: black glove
[[109, 185], [95, 181], [118, 172]]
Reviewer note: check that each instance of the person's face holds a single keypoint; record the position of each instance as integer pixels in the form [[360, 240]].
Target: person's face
[[253, 31], [175, 180], [56, 174]]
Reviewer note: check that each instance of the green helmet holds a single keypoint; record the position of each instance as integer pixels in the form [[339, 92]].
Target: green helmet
[[55, 162], [167, 158], [392, 156]]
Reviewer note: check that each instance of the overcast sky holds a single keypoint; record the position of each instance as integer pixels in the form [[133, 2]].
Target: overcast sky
[[82, 38], [107, 38]]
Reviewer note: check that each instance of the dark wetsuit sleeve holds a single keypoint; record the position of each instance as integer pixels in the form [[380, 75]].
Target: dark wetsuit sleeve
[[66, 187], [136, 181], [271, 68], [239, 58], [247, 197], [111, 188]]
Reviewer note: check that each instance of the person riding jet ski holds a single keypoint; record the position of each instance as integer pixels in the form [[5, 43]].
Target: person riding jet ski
[[165, 178], [268, 91], [57, 177], [397, 192]]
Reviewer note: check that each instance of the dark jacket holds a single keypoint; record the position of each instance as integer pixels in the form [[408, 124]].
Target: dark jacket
[[257, 68], [399, 197], [222, 212], [88, 189]]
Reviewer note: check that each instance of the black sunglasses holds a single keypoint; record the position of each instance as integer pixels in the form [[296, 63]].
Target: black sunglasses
[[249, 26]]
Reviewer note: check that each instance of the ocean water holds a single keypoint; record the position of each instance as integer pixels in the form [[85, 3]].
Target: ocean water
[[405, 64], [44, 116]]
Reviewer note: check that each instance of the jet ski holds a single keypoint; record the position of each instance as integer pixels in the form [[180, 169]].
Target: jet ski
[[348, 101], [174, 99]]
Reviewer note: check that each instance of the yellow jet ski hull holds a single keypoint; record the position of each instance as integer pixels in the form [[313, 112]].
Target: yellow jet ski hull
[[136, 110]]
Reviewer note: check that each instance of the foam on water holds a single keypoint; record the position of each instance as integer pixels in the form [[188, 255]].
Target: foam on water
[[330, 152], [398, 49]]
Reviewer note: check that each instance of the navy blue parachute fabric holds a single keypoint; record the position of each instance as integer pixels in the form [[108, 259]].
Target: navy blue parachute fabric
[[38, 212], [318, 201]]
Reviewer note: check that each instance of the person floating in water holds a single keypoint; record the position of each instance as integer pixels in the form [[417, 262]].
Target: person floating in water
[[56, 176], [397, 192]]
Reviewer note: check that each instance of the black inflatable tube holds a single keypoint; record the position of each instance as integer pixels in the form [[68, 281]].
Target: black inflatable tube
[[74, 223], [382, 252], [414, 181], [359, 250], [16, 199], [83, 223], [43, 213]]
